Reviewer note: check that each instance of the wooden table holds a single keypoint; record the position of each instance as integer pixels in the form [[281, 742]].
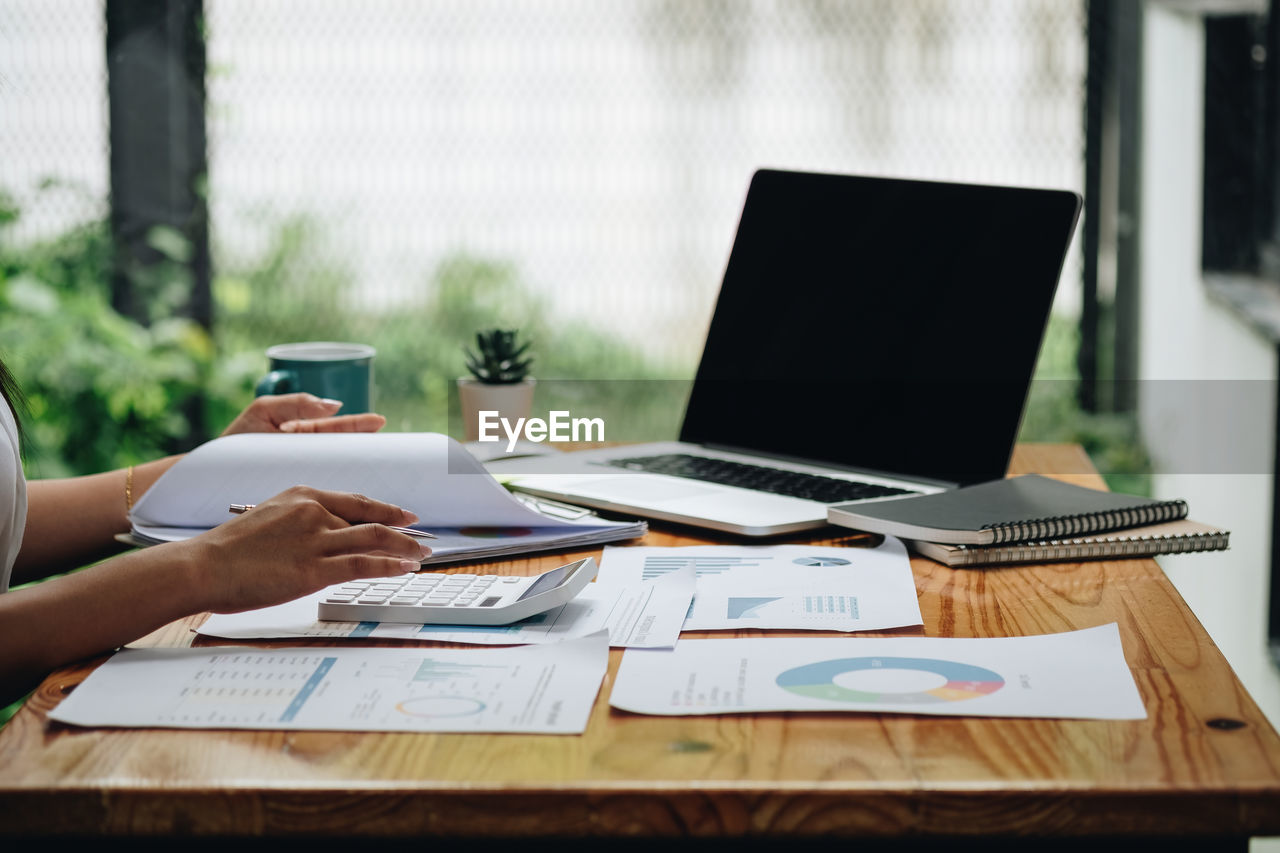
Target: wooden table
[[1204, 765]]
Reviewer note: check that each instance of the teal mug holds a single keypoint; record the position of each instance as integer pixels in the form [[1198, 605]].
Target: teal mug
[[336, 371]]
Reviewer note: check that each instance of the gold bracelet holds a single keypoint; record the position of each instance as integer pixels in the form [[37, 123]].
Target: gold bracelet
[[128, 489]]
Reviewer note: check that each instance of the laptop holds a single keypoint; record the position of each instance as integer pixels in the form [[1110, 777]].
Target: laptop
[[873, 338]]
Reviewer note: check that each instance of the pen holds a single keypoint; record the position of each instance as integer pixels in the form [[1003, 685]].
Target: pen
[[419, 534]]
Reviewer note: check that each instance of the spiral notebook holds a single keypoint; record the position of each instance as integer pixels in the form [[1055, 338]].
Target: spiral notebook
[[1016, 509], [1174, 537]]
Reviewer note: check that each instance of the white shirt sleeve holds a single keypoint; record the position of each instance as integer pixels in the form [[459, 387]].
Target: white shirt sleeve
[[13, 495]]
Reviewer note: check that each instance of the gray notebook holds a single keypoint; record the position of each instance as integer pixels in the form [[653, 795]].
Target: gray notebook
[[1017, 509]]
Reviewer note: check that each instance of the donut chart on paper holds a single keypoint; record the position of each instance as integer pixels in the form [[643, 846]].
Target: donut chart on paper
[[820, 561], [820, 680]]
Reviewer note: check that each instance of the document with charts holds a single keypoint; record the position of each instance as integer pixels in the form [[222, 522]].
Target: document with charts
[[1078, 674], [641, 615], [812, 587], [542, 689]]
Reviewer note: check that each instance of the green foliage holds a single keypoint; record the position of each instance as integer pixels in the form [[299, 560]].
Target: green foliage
[[499, 357], [105, 391], [1053, 414], [102, 390], [297, 291]]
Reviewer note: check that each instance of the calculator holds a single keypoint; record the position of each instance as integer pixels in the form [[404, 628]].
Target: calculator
[[458, 599]]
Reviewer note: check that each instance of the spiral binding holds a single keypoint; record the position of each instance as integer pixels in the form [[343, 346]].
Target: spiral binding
[[1063, 526], [1081, 549]]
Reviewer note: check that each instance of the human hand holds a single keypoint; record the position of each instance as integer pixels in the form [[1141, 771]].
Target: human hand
[[300, 412], [297, 542]]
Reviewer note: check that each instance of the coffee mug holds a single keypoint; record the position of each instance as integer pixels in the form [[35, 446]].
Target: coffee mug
[[336, 371]]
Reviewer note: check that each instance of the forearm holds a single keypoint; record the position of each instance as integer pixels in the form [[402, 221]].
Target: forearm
[[69, 618], [291, 545], [72, 522]]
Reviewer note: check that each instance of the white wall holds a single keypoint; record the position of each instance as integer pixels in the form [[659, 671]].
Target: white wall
[[1213, 441]]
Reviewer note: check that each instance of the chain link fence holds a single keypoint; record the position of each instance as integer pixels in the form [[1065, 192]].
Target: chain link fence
[[604, 149]]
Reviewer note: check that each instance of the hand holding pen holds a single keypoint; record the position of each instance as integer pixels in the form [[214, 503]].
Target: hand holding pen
[[409, 531], [296, 543]]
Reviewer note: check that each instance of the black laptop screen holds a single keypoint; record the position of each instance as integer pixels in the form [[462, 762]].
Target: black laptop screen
[[880, 324]]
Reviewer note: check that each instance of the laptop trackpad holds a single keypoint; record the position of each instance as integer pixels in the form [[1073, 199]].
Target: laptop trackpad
[[638, 488]]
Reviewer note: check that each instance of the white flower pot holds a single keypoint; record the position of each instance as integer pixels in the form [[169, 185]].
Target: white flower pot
[[510, 401]]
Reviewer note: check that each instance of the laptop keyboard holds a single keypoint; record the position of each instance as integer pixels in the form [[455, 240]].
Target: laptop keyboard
[[778, 481]]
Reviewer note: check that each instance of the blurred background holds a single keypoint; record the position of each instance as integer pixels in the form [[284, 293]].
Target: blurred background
[[185, 183], [232, 174]]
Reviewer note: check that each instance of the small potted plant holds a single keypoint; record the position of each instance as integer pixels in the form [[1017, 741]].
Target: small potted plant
[[499, 381]]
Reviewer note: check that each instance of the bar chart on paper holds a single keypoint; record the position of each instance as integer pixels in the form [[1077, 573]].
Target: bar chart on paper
[[805, 587], [259, 689], [657, 565], [547, 689], [247, 689], [746, 609]]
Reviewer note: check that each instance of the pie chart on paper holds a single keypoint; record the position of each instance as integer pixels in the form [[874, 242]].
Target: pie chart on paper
[[890, 680], [820, 561]]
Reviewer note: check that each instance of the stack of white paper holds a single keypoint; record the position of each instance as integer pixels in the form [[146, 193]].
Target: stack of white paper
[[430, 474]]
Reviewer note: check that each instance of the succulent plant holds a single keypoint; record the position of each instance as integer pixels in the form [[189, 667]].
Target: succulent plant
[[499, 358]]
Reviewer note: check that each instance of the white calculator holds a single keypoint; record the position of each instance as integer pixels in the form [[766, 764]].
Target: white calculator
[[455, 599]]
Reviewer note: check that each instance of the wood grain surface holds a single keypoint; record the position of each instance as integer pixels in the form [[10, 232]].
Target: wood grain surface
[[1204, 763]]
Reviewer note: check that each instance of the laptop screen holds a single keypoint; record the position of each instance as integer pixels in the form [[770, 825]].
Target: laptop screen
[[881, 325]]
